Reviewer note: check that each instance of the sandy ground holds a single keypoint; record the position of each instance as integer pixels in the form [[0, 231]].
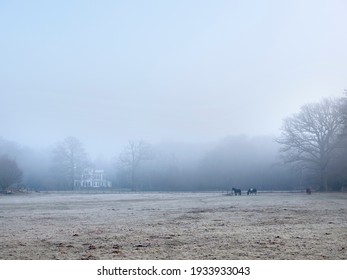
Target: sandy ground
[[173, 226]]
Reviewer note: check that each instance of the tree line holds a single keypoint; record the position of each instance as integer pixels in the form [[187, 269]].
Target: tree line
[[311, 151]]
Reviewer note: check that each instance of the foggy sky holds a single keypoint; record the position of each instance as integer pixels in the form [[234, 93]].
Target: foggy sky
[[112, 71]]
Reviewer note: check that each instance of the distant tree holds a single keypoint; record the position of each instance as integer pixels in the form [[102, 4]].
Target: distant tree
[[69, 159], [310, 138], [340, 163], [9, 148], [243, 162], [131, 157], [343, 110], [10, 173]]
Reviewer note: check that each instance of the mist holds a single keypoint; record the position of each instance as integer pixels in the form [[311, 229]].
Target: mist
[[234, 161], [205, 85]]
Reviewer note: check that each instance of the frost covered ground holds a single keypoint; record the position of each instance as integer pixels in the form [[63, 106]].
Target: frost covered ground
[[173, 226]]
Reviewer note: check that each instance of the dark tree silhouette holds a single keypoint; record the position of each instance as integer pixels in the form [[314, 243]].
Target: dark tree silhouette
[[10, 173], [310, 138]]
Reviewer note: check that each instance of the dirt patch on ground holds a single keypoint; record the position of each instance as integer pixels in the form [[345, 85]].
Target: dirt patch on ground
[[173, 226]]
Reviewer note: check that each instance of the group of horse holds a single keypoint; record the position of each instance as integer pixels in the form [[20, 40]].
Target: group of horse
[[254, 191], [250, 191]]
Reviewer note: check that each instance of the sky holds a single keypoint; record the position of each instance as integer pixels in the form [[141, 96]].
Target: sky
[[108, 72]]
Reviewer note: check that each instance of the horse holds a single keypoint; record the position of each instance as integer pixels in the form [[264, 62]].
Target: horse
[[251, 190], [308, 191], [236, 191]]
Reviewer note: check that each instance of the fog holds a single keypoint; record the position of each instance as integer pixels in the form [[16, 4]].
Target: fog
[[190, 78], [234, 161]]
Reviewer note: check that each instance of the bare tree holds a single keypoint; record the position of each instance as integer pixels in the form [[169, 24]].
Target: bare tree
[[69, 159], [343, 109], [340, 165], [310, 138], [132, 156], [10, 173]]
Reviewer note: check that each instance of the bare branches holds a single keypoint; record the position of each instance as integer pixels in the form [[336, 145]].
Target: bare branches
[[310, 137], [131, 157], [69, 159]]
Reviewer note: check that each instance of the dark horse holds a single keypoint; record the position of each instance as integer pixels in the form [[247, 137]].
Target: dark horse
[[236, 191], [251, 190], [308, 191]]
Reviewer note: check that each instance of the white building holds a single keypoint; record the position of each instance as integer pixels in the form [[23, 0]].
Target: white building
[[91, 178]]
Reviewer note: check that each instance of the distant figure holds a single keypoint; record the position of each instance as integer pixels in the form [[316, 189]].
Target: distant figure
[[236, 191], [308, 191], [251, 190]]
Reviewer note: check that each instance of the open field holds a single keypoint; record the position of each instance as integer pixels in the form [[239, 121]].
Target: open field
[[173, 226]]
